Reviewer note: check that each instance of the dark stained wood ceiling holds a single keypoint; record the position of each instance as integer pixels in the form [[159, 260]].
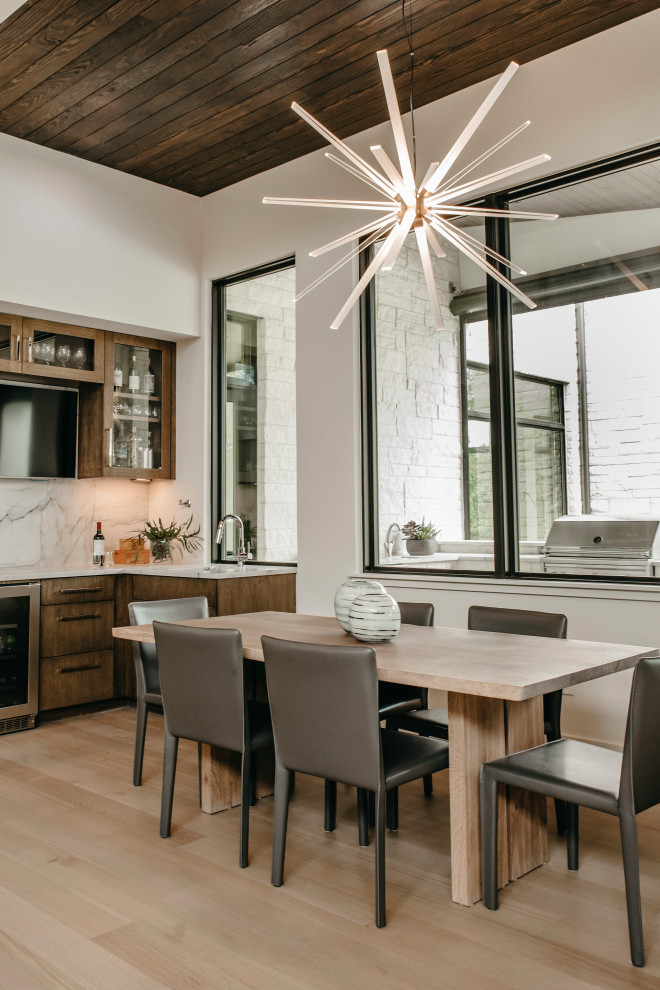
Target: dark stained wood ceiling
[[196, 94]]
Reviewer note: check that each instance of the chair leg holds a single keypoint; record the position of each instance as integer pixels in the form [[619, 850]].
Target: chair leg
[[330, 805], [363, 816], [428, 785], [488, 797], [169, 773], [560, 815], [572, 834], [392, 806], [628, 825], [140, 735], [371, 800], [246, 792], [280, 816], [253, 780], [380, 859]]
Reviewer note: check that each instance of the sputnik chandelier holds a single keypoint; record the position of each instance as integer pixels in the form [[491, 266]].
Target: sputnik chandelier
[[429, 209]]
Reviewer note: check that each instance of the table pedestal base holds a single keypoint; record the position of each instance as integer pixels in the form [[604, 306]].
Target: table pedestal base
[[220, 777], [483, 729]]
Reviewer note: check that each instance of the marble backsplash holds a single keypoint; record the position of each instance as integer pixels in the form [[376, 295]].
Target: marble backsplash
[[53, 522]]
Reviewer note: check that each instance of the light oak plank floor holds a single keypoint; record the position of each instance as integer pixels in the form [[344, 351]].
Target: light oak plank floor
[[92, 899]]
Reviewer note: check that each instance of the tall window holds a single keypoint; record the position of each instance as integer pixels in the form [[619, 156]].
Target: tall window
[[255, 420], [507, 419]]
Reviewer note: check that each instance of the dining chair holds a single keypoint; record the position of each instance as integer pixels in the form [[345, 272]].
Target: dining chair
[[204, 687], [324, 705], [577, 773], [392, 699], [521, 622], [147, 680]]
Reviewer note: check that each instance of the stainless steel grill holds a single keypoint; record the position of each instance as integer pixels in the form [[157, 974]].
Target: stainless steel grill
[[602, 545]]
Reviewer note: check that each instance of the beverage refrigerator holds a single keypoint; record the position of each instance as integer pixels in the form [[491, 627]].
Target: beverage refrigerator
[[19, 656]]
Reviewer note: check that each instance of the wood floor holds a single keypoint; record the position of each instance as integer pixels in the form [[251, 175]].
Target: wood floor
[[92, 899]]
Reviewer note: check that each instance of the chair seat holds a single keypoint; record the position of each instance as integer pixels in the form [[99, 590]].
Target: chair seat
[[407, 757], [261, 729], [395, 698], [427, 721], [571, 771], [153, 698]]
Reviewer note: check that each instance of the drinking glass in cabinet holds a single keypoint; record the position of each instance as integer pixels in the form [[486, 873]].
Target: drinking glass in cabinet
[[62, 355]]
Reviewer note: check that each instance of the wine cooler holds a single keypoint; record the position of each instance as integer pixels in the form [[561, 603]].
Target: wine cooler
[[19, 656]]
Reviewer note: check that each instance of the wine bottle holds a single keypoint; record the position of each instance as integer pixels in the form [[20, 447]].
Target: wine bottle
[[148, 381], [133, 378], [98, 544]]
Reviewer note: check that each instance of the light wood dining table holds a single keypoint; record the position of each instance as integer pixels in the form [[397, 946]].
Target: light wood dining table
[[495, 684]]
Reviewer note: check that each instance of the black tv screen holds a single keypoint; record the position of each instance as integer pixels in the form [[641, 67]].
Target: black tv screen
[[38, 431]]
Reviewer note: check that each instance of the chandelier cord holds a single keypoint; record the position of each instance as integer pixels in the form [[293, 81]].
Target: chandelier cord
[[408, 28]]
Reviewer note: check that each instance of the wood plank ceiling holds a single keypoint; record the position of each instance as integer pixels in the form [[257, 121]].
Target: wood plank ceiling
[[196, 94]]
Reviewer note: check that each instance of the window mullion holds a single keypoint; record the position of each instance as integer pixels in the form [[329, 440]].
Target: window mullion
[[502, 402]]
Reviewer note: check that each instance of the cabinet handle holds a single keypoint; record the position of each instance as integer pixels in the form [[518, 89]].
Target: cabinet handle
[[78, 591], [30, 350], [77, 670], [78, 618]]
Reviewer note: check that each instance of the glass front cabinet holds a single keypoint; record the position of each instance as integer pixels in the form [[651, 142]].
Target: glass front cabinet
[[132, 435], [10, 342], [57, 350]]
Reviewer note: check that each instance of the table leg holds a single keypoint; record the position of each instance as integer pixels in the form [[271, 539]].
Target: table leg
[[483, 729], [220, 777], [528, 836], [477, 733]]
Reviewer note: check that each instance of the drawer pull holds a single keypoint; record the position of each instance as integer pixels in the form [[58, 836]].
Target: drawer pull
[[77, 670], [78, 618], [78, 591]]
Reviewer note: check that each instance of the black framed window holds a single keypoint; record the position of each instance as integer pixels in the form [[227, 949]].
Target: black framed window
[[508, 419], [254, 410]]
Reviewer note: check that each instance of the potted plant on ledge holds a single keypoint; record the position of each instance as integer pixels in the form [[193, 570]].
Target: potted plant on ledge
[[163, 537], [420, 538]]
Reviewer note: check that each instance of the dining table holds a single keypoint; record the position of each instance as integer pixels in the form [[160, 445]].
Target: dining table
[[495, 684]]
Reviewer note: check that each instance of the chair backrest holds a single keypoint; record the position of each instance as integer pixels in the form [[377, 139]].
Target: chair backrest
[[171, 610], [324, 707], [417, 613], [202, 683], [519, 622], [640, 771]]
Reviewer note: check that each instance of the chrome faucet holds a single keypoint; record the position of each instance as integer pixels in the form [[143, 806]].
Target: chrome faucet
[[241, 554]]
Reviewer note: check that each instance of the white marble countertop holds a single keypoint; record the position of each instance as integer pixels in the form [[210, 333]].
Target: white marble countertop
[[36, 572]]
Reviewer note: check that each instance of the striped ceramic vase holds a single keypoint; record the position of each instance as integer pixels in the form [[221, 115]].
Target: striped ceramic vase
[[346, 592], [375, 617]]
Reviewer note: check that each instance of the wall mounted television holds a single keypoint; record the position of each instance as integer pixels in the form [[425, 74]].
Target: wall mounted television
[[38, 430]]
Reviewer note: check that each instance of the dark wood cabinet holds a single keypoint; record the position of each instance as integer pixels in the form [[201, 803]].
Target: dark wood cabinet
[[10, 343], [76, 644], [127, 427], [60, 350]]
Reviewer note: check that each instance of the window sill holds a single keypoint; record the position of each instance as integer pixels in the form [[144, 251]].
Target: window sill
[[445, 580]]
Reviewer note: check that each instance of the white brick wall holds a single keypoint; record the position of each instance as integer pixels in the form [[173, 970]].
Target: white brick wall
[[270, 300]]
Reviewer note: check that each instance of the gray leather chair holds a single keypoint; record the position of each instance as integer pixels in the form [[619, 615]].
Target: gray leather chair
[[521, 622], [324, 705], [205, 698], [582, 774], [147, 680]]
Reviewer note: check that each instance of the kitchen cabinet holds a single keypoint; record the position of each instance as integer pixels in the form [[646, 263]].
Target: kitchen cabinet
[[10, 342], [58, 350], [127, 428], [76, 645]]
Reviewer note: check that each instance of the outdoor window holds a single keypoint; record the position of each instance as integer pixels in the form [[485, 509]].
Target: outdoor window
[[509, 419], [255, 422]]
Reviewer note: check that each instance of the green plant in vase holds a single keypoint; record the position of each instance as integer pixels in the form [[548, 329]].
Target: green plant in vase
[[420, 537], [163, 538]]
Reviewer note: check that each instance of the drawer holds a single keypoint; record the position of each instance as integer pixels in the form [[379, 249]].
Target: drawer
[[77, 589], [76, 628], [75, 679]]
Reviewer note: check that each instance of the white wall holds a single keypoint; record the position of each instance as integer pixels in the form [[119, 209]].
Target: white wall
[[93, 246]]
